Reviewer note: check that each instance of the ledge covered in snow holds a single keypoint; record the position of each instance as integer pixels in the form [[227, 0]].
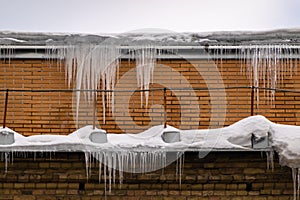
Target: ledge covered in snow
[[284, 139]]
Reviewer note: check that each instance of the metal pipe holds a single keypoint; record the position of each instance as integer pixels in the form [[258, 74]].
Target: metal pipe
[[154, 89]]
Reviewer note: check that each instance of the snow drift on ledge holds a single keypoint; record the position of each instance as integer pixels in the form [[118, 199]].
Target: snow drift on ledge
[[284, 139], [147, 151]]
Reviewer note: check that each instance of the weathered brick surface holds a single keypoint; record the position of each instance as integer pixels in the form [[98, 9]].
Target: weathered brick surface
[[227, 176], [211, 178], [32, 113]]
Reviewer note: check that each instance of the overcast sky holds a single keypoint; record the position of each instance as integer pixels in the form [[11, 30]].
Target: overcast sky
[[118, 16]]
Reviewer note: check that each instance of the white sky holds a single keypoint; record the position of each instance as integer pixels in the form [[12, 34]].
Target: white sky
[[117, 16]]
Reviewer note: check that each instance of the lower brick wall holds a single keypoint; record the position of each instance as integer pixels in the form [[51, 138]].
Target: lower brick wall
[[218, 176]]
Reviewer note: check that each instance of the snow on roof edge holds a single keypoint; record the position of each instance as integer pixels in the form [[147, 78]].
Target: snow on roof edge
[[184, 38]]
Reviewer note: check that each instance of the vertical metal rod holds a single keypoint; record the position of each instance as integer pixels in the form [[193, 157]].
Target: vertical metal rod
[[165, 106], [252, 100], [5, 108], [94, 109]]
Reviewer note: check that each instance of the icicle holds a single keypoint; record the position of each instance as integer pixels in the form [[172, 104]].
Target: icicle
[[99, 158], [5, 157], [129, 161], [295, 172], [270, 159], [87, 164], [298, 182], [221, 55], [268, 64], [179, 167], [109, 168], [104, 173], [145, 62], [86, 65], [120, 167]]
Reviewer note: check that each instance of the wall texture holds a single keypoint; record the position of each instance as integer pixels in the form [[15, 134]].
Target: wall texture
[[36, 112], [218, 176], [222, 175]]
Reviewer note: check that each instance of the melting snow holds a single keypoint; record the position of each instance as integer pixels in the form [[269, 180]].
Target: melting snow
[[134, 152], [3, 40], [285, 139]]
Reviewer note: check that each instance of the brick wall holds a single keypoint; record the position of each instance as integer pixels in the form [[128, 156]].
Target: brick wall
[[218, 176], [31, 113]]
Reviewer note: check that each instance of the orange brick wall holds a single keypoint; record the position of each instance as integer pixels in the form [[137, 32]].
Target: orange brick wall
[[31, 113]]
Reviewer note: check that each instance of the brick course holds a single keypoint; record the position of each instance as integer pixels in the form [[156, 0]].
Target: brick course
[[63, 176], [31, 113]]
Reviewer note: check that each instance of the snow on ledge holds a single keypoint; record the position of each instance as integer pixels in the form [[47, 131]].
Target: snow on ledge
[[284, 139]]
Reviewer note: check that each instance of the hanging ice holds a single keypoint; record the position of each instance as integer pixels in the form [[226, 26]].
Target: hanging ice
[[90, 67], [145, 63], [296, 182], [131, 162], [267, 65]]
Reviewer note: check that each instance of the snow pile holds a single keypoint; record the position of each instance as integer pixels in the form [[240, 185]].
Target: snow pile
[[285, 139], [133, 152], [236, 136]]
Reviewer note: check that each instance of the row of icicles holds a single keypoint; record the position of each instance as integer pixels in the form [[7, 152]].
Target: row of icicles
[[92, 67], [268, 67]]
